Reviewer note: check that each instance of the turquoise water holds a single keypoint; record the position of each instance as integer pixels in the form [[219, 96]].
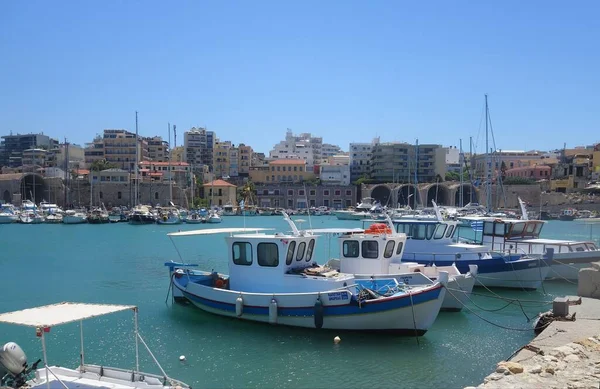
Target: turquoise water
[[123, 264]]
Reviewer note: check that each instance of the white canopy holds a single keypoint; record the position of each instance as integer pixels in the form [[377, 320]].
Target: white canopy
[[217, 231], [336, 230], [61, 313]]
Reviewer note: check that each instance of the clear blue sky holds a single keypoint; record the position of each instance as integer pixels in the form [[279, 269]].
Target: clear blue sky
[[345, 70]]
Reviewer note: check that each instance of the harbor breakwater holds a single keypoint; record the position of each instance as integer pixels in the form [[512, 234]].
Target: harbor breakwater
[[566, 354]]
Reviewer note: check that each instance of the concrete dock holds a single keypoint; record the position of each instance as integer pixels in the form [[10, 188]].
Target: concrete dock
[[566, 354]]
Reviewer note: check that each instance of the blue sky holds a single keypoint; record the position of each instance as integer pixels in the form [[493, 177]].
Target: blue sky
[[345, 70]]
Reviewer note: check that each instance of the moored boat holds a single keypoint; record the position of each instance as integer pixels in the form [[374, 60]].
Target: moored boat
[[141, 215], [17, 373], [74, 217], [213, 217], [169, 216], [273, 278]]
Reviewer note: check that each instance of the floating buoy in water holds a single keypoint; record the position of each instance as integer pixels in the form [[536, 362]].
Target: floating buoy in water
[[182, 358], [337, 340]]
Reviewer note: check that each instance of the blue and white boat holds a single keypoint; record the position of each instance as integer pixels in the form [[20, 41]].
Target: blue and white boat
[[376, 253], [213, 217], [169, 216], [437, 242], [273, 278], [8, 214], [195, 218]]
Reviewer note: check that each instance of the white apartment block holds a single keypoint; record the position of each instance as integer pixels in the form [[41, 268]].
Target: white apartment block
[[303, 146]]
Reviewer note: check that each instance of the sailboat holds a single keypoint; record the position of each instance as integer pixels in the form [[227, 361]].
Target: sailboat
[[140, 214]]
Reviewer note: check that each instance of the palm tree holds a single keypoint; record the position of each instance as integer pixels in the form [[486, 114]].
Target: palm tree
[[248, 193]]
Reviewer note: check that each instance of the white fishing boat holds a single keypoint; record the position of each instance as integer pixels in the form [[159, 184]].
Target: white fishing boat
[[376, 252], [53, 218], [229, 210], [522, 236], [213, 217], [273, 278], [362, 211], [16, 372], [49, 208], [74, 217]]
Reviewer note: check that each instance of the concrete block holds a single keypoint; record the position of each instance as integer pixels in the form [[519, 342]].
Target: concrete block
[[560, 306], [589, 282]]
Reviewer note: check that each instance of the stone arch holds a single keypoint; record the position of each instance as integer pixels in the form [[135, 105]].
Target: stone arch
[[468, 189], [7, 197], [382, 193], [439, 193], [408, 194], [33, 187]]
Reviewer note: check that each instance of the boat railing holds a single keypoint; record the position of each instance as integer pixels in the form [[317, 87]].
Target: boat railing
[[449, 256]]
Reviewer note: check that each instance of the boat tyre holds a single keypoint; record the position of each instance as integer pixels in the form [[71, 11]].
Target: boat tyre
[[318, 313]]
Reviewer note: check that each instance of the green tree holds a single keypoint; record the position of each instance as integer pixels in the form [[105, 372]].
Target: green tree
[[247, 193], [102, 164], [518, 181]]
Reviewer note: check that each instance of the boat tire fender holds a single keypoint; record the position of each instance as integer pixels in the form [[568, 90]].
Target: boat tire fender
[[239, 306], [318, 313], [273, 311]]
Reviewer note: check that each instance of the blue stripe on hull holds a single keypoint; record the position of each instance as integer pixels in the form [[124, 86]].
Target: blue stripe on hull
[[484, 266], [351, 309]]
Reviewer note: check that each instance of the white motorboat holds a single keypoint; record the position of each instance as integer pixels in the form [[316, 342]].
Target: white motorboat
[[8, 214], [54, 218], [229, 210], [195, 218], [213, 217], [141, 215], [273, 278], [15, 371], [30, 217], [74, 217]]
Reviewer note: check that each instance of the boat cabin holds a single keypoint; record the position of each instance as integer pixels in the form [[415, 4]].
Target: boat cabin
[[279, 263], [426, 229], [370, 252], [501, 234]]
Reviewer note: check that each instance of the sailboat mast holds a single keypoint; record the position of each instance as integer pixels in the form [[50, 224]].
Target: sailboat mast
[[136, 159], [461, 161], [471, 169], [170, 172], [416, 170], [488, 189]]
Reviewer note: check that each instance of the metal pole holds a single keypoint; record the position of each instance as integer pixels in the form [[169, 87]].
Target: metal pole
[[45, 358], [170, 172], [416, 171], [81, 369], [488, 190], [461, 161], [137, 350], [471, 169], [136, 159]]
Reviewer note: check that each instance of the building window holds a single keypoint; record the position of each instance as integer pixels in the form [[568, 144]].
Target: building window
[[337, 192], [348, 192], [276, 192], [242, 253], [268, 254], [278, 168], [312, 192], [350, 249], [290, 192], [100, 194], [278, 177], [155, 195], [326, 192], [348, 203], [295, 168], [267, 178], [300, 192], [220, 192], [119, 195], [265, 191], [290, 253], [326, 203]]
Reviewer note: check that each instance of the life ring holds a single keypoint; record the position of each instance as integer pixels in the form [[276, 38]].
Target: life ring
[[219, 283]]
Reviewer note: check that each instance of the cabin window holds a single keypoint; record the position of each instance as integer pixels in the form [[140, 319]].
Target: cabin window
[[530, 228], [440, 230], [538, 229], [309, 252], [399, 248], [290, 253], [404, 228], [242, 253], [351, 249], [268, 254], [423, 231], [370, 249], [389, 249], [301, 249], [450, 231]]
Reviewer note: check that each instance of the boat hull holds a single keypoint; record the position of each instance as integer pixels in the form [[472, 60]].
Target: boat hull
[[74, 219], [341, 311], [7, 219], [567, 265], [141, 219]]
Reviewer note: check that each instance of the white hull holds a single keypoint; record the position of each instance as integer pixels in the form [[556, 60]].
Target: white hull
[[7, 219], [214, 220], [74, 219], [518, 279], [394, 320], [567, 271]]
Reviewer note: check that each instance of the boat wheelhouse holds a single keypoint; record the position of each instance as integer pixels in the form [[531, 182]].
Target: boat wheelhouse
[[516, 236], [438, 242], [273, 277]]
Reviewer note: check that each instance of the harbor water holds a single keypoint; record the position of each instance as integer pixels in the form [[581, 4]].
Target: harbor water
[[123, 264]]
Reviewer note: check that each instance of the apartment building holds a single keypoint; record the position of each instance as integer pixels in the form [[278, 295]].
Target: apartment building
[[245, 159], [360, 159], [303, 146], [511, 158], [158, 149], [222, 158], [282, 171], [403, 162], [198, 144], [297, 196], [12, 147], [120, 148]]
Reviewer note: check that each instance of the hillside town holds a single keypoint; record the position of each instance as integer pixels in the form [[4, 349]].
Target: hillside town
[[300, 171]]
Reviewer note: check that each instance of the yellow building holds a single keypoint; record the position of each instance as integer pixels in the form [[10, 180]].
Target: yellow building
[[119, 148], [220, 192], [221, 159], [282, 171], [245, 159]]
